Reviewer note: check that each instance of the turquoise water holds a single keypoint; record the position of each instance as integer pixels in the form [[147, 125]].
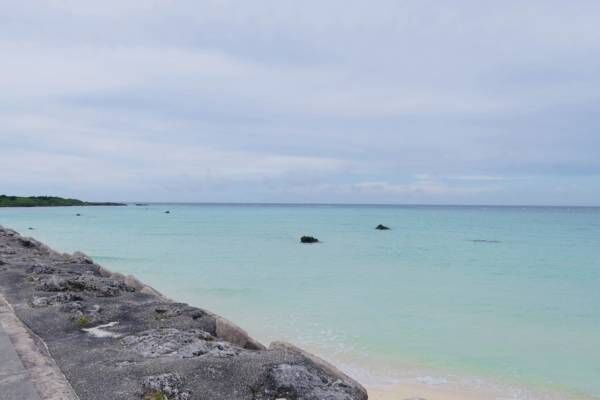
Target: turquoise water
[[521, 307]]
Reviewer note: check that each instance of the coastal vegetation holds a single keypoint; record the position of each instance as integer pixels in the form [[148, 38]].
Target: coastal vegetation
[[84, 320], [48, 201], [154, 395]]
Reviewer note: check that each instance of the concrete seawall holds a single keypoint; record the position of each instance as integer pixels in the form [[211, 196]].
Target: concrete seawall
[[115, 338]]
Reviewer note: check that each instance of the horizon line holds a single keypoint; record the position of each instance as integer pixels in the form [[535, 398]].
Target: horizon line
[[233, 203]]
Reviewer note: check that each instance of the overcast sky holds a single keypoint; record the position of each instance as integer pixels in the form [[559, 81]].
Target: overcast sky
[[462, 102]]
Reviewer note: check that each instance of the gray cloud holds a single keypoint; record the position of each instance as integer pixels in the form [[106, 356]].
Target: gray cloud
[[412, 101]]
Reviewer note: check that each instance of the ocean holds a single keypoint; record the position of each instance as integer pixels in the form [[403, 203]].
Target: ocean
[[479, 295]]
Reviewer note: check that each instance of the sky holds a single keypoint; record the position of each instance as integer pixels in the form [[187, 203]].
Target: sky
[[337, 101]]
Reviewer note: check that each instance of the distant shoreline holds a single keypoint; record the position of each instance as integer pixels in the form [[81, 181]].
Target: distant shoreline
[[55, 201], [49, 201]]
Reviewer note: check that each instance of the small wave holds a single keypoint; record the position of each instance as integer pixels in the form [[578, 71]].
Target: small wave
[[432, 380], [485, 241]]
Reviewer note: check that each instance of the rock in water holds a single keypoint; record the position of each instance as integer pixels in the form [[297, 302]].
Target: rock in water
[[382, 228], [309, 239], [167, 212]]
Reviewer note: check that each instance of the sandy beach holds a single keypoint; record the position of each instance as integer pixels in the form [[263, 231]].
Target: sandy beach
[[413, 390], [419, 391]]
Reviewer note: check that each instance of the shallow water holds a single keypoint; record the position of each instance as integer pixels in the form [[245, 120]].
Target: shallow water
[[501, 293]]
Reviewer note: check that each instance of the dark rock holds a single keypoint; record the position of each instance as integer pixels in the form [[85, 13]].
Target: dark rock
[[309, 239], [382, 228], [30, 228], [78, 215], [25, 242], [167, 212], [198, 314]]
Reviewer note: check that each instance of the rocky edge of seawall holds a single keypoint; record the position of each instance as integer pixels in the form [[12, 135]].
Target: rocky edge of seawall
[[115, 338]]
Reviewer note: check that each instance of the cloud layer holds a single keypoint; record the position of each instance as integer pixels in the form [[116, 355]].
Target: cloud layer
[[343, 101]]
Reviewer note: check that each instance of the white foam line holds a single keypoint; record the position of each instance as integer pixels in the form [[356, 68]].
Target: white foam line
[[432, 380]]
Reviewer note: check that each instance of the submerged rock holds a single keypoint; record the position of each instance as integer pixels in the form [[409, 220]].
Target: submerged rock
[[381, 227], [309, 239]]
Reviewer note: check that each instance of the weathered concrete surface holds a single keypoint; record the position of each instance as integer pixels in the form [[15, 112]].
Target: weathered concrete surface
[[113, 338], [39, 369], [15, 383], [17, 386]]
